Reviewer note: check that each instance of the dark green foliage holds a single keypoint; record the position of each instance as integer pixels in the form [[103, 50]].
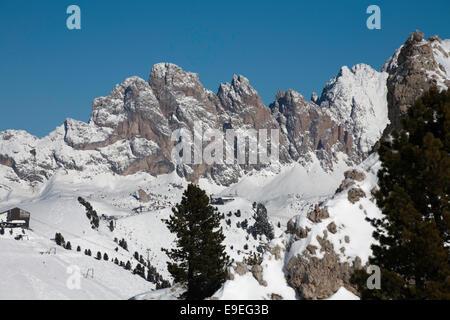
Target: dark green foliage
[[128, 265], [123, 244], [413, 250], [78, 249], [111, 225], [68, 245], [105, 256], [262, 225], [139, 270], [59, 239], [2, 231], [91, 214], [253, 259], [99, 255], [199, 260]]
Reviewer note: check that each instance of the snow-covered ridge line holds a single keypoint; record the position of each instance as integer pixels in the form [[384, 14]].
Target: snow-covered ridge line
[[130, 129]]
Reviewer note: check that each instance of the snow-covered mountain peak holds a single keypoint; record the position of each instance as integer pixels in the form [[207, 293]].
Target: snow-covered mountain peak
[[357, 98], [415, 67], [172, 76]]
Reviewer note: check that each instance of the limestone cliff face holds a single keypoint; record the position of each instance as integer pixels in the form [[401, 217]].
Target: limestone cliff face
[[413, 69], [130, 129]]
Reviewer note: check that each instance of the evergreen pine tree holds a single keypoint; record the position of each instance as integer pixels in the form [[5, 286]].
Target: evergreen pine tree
[[414, 180], [199, 260], [262, 225], [99, 255], [68, 245], [78, 249], [59, 239], [105, 257]]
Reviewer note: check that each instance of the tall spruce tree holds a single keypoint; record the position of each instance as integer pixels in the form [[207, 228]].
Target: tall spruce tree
[[199, 260], [414, 180]]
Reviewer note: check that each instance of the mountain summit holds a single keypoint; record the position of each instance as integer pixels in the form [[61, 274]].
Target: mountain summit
[[130, 129]]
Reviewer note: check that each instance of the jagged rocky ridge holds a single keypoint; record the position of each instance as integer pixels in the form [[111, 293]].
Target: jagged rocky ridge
[[130, 129]]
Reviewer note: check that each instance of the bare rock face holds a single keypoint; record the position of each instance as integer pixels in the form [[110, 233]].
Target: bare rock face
[[276, 252], [257, 272], [290, 227], [332, 227], [240, 268], [130, 130], [315, 278], [299, 231], [275, 296], [318, 214], [295, 116], [302, 233], [354, 194], [355, 175], [413, 69], [143, 196]]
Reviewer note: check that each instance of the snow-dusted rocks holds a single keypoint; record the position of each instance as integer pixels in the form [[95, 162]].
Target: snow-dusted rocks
[[414, 68], [130, 129], [357, 98], [322, 262]]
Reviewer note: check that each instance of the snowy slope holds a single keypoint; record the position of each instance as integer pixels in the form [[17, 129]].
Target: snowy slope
[[350, 221]]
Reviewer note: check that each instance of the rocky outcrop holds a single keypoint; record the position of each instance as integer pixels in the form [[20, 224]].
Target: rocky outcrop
[[354, 175], [413, 69], [143, 196], [297, 230], [332, 227], [257, 272], [355, 194], [318, 214], [240, 268], [319, 278]]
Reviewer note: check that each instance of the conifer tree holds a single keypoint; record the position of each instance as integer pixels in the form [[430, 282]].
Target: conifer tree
[[414, 180], [199, 260], [262, 225]]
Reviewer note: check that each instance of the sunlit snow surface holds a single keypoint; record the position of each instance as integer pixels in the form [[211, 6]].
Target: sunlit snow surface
[[286, 191]]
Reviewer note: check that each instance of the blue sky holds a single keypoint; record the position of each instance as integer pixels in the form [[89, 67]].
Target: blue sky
[[49, 73]]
